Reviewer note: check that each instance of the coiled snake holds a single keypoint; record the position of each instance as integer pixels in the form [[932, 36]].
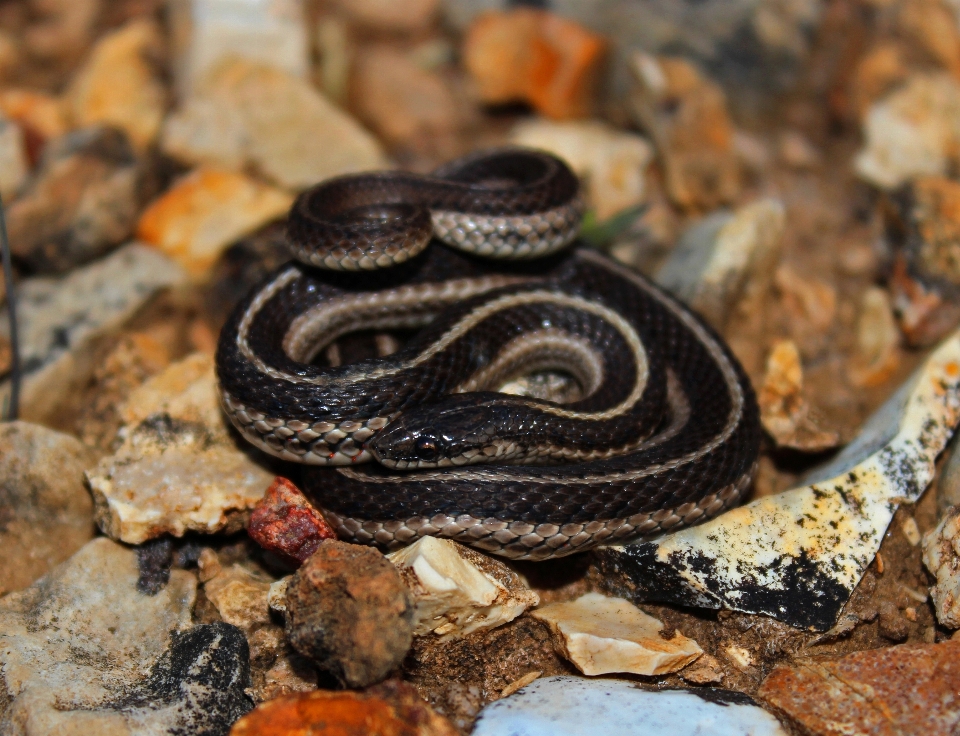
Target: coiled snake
[[665, 432]]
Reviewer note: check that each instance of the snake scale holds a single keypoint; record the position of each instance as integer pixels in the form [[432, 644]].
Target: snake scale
[[665, 429]]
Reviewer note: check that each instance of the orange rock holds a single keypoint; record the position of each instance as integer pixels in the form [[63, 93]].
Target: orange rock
[[908, 689], [38, 112], [119, 86], [206, 211], [932, 25], [879, 71], [784, 411], [536, 57], [390, 709]]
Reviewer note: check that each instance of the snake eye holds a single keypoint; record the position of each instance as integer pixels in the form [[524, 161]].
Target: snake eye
[[427, 447]]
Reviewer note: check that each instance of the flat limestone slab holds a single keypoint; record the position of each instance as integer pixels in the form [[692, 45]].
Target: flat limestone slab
[[798, 556]]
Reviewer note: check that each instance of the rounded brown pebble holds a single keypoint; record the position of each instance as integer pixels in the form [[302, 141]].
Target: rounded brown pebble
[[390, 709], [349, 611]]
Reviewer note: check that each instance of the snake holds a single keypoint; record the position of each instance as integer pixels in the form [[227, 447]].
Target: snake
[[482, 258]]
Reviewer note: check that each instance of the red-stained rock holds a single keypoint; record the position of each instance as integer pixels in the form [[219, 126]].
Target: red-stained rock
[[537, 57], [285, 523], [898, 690], [390, 709]]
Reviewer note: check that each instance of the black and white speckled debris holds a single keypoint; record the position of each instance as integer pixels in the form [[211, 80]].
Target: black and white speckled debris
[[798, 556]]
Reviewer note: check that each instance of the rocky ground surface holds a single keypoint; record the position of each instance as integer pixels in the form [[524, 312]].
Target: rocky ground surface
[[789, 169]]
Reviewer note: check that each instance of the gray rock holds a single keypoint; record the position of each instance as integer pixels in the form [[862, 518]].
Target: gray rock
[[82, 201], [78, 646], [724, 258], [573, 706], [59, 320], [45, 511], [348, 610], [797, 556]]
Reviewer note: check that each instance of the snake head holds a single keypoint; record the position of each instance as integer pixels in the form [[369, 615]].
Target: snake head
[[456, 430]]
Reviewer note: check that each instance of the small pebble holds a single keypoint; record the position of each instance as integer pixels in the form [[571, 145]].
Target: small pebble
[[349, 611]]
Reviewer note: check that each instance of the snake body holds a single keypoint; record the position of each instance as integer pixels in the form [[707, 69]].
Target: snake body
[[665, 433]]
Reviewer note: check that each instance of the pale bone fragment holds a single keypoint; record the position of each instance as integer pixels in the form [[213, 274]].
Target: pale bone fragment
[[941, 555]]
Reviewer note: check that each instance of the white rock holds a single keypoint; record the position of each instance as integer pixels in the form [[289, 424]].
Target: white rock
[[205, 32], [572, 706], [13, 159], [612, 162], [797, 556], [277, 595], [941, 555], [249, 114], [458, 590], [724, 256], [913, 131], [59, 320], [602, 635], [178, 468]]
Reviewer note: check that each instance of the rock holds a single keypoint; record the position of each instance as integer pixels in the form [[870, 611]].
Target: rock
[[13, 159], [384, 15], [601, 635], [686, 116], [878, 340], [941, 555], [904, 689], [457, 590], [60, 320], [11, 55], [204, 212], [797, 152], [392, 708], [948, 485], [811, 304], [249, 114], [40, 114], [82, 651], [914, 131], [333, 45], [564, 706], [533, 56], [47, 514], [206, 32], [459, 676], [923, 228], [132, 359], [240, 596], [611, 163], [349, 611], [81, 202], [404, 103], [118, 86], [63, 30], [725, 260], [785, 413], [286, 523], [178, 468], [797, 556]]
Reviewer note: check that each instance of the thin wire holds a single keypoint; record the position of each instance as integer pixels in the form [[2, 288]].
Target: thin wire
[[13, 407]]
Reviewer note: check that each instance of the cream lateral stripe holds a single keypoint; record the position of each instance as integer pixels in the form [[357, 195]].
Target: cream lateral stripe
[[456, 332], [522, 345], [733, 419], [302, 340], [583, 361]]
